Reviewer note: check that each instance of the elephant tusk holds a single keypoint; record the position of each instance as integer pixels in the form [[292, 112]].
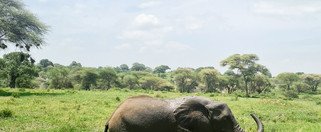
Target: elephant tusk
[[260, 127]]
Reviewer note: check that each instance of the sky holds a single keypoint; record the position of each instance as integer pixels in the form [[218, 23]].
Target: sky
[[285, 34]]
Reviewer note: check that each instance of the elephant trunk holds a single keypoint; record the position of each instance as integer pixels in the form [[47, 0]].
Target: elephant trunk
[[259, 124]]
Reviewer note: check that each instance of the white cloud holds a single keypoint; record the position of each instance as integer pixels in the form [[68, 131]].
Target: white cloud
[[148, 4], [287, 8], [146, 21], [147, 33]]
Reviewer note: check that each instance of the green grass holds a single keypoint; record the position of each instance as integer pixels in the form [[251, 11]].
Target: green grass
[[69, 110]]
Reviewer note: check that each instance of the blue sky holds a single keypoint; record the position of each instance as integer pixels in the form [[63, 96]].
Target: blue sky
[[285, 34]]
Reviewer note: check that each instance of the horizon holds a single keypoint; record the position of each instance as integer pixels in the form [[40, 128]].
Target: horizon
[[284, 34]]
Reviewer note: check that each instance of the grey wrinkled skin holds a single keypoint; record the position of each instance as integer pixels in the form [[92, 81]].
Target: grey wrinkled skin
[[186, 114]]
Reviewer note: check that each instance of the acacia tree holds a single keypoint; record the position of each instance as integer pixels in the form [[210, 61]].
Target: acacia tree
[[59, 77], [89, 79], [313, 81], [18, 66], [260, 83], [106, 77], [161, 69], [124, 68], [45, 63], [246, 66], [138, 67], [130, 81], [229, 81], [185, 79], [20, 27], [75, 64], [210, 77], [287, 79]]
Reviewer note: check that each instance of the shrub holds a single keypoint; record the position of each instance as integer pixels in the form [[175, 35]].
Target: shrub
[[5, 113], [290, 94], [301, 87], [16, 95], [117, 98]]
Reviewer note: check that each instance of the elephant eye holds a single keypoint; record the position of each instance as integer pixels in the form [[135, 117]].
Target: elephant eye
[[216, 112]]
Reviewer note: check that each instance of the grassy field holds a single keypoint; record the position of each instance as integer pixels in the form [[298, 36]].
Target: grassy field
[[69, 110]]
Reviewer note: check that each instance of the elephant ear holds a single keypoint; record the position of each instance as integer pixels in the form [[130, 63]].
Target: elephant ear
[[193, 116]]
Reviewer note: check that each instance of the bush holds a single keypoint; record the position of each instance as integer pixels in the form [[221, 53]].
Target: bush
[[301, 87], [16, 95], [117, 99], [290, 94], [5, 113]]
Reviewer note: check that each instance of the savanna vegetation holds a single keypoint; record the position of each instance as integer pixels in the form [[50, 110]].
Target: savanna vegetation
[[80, 110], [51, 97], [45, 96]]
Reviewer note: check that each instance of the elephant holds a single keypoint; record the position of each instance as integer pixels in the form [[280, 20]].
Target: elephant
[[185, 114]]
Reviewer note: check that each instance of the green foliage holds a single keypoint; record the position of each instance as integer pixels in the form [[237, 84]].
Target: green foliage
[[185, 79], [244, 74], [124, 68], [291, 94], [210, 78], [45, 63], [161, 69], [229, 81], [89, 79], [18, 26], [260, 83], [287, 79], [312, 80], [107, 78], [246, 66], [155, 83], [59, 78], [130, 81], [117, 99], [75, 64], [301, 87], [6, 113], [18, 69], [138, 67], [16, 95]]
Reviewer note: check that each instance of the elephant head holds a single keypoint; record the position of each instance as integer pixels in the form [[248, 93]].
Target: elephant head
[[201, 115]]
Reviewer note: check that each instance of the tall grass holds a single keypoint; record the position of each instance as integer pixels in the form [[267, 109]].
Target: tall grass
[[70, 110]]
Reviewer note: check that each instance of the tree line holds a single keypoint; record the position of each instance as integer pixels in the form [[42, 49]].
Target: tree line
[[244, 74]]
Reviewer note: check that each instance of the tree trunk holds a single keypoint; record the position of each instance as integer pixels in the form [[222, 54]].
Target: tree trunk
[[246, 86], [246, 89], [12, 81], [314, 88]]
